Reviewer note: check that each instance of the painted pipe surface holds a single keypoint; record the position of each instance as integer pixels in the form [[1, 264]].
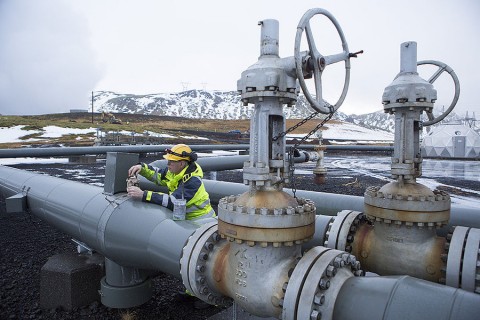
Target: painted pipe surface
[[212, 163], [328, 203], [403, 297], [70, 151], [129, 232], [225, 162]]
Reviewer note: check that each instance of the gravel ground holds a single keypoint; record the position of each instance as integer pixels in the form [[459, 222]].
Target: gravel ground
[[27, 242]]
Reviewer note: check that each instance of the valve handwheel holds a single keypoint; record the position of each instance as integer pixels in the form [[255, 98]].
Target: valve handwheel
[[319, 62], [442, 67]]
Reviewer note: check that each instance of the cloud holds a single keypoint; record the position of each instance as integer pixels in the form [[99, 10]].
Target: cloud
[[47, 64]]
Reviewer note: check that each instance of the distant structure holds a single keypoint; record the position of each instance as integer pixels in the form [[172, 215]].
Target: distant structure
[[451, 140], [471, 121]]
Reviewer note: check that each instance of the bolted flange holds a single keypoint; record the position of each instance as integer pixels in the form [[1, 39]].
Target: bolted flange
[[462, 254], [266, 217], [411, 204], [193, 264], [315, 282], [341, 231]]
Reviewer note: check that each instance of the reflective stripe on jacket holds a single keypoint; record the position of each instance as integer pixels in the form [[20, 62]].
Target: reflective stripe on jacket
[[187, 184]]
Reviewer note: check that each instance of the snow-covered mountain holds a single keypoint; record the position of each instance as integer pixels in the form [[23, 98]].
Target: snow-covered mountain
[[224, 105]]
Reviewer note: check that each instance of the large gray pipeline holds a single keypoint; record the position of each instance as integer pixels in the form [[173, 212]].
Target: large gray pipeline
[[112, 226], [403, 297], [129, 232]]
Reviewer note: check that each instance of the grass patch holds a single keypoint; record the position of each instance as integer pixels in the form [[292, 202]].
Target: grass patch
[[137, 123], [31, 136]]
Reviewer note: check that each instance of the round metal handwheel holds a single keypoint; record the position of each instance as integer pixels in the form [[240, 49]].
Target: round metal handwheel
[[442, 67], [319, 62]]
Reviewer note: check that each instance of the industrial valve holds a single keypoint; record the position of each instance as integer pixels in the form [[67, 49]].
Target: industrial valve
[[256, 251], [397, 232]]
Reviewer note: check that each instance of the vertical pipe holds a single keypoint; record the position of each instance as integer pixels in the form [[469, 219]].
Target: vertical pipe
[[408, 57], [92, 106], [269, 37]]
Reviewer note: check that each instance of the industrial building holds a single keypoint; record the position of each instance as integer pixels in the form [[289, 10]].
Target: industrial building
[[451, 140]]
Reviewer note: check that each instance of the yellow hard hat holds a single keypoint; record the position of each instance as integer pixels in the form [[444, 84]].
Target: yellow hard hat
[[178, 152]]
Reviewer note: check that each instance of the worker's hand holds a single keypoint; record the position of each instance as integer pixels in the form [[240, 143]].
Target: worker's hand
[[135, 192], [134, 170]]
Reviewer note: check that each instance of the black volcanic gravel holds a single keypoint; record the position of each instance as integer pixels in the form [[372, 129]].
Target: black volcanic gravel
[[27, 242]]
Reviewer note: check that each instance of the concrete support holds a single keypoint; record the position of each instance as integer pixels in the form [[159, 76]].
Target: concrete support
[[70, 280]]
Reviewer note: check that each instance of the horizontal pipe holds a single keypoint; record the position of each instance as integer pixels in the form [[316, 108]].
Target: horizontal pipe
[[212, 163], [403, 297], [129, 232], [227, 162], [330, 147], [71, 151], [329, 203]]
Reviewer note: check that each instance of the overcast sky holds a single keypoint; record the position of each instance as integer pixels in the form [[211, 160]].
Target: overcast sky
[[53, 53]]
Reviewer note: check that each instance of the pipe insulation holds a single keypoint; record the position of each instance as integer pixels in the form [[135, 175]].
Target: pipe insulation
[[129, 232]]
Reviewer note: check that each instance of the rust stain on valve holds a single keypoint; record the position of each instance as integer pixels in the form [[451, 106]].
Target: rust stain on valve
[[266, 199], [221, 267], [319, 178]]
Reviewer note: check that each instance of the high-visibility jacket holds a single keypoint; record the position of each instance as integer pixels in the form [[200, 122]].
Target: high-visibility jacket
[[187, 185]]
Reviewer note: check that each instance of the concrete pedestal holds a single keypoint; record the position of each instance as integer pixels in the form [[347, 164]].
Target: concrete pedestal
[[70, 280]]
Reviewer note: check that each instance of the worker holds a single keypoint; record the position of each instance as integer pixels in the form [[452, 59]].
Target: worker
[[183, 177]]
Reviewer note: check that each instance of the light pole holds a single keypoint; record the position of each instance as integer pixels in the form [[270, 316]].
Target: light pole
[[92, 107]]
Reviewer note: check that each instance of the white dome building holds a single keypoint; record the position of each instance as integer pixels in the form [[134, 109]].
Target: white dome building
[[451, 141]]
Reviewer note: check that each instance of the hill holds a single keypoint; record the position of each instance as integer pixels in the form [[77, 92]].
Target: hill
[[79, 129], [225, 105]]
